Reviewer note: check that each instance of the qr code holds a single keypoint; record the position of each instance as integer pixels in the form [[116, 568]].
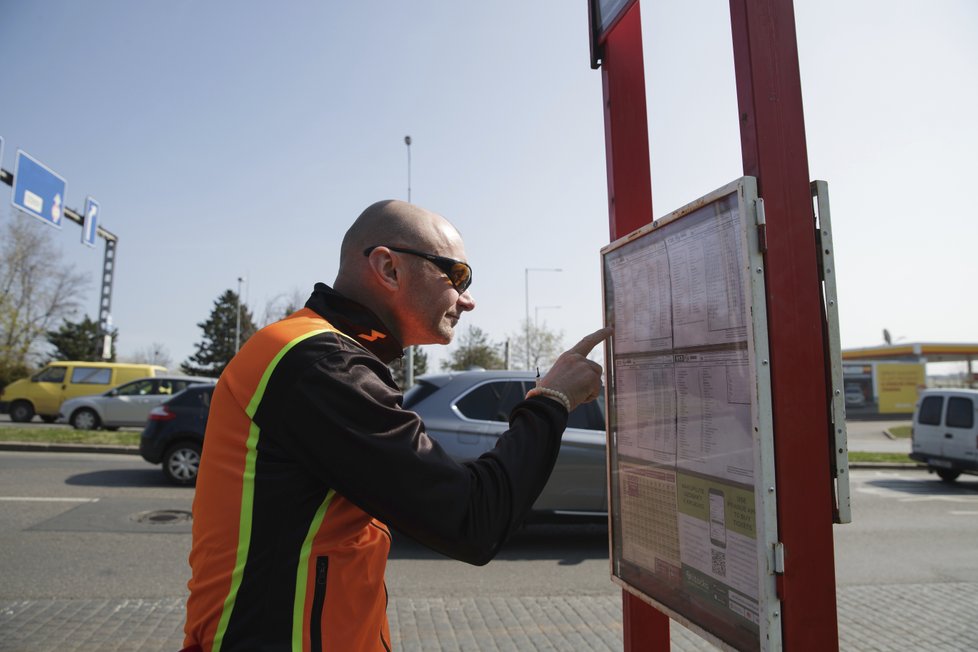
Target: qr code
[[719, 561]]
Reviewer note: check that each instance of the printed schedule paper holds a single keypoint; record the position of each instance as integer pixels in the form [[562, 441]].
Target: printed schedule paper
[[687, 435]]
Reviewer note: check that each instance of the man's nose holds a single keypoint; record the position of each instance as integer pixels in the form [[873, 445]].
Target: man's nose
[[465, 301]]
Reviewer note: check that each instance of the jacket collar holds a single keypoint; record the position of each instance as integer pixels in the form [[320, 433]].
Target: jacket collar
[[355, 320]]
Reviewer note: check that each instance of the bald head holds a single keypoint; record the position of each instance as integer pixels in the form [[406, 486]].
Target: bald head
[[393, 222], [400, 287]]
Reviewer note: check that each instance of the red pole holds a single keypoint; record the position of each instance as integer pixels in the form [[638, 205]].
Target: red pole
[[629, 207], [772, 132]]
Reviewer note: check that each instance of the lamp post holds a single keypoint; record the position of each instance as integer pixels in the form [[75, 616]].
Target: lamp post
[[409, 354], [536, 313], [526, 279], [237, 317]]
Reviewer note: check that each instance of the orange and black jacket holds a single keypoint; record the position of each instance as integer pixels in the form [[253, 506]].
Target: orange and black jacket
[[308, 458]]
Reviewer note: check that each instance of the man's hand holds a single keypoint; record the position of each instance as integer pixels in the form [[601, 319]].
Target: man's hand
[[573, 374]]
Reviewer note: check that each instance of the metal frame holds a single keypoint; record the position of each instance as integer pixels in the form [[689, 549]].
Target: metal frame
[[770, 553], [838, 437]]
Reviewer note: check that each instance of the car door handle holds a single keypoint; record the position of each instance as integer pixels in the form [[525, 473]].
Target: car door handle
[[948, 435]]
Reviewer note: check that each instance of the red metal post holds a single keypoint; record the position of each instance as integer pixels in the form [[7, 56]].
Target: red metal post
[[626, 126], [772, 131], [629, 207]]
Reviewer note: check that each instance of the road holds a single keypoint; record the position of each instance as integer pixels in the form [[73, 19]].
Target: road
[[81, 527]]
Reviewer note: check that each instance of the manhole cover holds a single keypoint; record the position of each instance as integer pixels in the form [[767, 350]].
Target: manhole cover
[[163, 517]]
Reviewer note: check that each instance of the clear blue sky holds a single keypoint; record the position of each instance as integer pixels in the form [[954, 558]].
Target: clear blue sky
[[228, 139]]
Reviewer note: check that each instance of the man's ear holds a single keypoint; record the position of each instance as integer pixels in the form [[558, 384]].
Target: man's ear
[[383, 267]]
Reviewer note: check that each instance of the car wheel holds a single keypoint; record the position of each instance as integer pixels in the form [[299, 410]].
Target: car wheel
[[181, 462], [85, 419], [21, 411], [947, 475]]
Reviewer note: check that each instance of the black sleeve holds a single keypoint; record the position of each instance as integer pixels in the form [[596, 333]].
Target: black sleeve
[[349, 430]]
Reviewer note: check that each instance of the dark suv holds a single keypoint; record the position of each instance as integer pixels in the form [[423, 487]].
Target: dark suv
[[174, 433]]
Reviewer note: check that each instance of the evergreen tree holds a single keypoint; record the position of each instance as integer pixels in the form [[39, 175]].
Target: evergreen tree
[[216, 349], [80, 341], [475, 350]]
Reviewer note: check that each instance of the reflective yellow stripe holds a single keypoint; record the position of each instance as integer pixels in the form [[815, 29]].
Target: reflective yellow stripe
[[248, 489], [302, 573]]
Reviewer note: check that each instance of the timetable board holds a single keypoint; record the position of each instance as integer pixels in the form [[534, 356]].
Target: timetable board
[[690, 445]]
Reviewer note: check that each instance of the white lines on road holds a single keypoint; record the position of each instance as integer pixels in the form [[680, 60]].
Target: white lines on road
[[45, 499], [963, 512]]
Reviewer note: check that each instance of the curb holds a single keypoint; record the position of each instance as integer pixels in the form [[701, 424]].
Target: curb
[[43, 447], [40, 447]]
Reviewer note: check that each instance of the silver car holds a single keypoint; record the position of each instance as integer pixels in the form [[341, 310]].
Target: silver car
[[466, 411], [126, 405]]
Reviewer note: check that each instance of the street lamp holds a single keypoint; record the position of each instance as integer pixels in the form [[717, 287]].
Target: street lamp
[[526, 277], [409, 354], [536, 313], [237, 317]]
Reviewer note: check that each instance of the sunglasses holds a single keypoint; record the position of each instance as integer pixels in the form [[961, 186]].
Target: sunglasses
[[459, 273]]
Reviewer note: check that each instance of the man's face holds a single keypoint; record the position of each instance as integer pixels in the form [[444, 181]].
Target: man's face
[[435, 305]]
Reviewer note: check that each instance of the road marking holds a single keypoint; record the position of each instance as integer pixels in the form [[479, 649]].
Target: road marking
[[963, 512], [46, 499]]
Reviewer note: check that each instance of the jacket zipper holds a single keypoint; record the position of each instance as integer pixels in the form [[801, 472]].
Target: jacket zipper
[[318, 603]]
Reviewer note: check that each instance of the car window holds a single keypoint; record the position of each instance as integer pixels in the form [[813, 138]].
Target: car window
[[587, 416], [51, 375], [136, 388], [193, 398], [960, 412], [91, 376], [492, 401], [420, 391], [178, 385], [930, 411]]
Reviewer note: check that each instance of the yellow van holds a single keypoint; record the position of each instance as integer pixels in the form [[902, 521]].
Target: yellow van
[[43, 393]]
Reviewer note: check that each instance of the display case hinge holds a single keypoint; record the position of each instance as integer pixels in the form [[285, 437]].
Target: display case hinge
[[761, 225], [779, 558]]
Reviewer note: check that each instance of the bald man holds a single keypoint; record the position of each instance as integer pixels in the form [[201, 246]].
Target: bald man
[[309, 459]]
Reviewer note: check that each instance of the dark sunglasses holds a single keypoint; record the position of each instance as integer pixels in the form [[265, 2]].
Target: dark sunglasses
[[459, 273]]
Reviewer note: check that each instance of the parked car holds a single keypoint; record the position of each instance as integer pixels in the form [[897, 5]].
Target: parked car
[[174, 433], [467, 411], [128, 404], [945, 432], [44, 392]]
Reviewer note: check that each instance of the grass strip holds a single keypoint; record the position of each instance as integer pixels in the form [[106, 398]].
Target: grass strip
[[68, 436]]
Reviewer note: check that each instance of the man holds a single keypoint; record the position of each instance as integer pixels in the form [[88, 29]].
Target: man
[[309, 457]]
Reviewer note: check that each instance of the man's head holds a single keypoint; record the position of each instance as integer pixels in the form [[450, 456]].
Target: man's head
[[412, 294]]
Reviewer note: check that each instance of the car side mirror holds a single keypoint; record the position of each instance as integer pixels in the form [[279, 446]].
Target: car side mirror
[[114, 392]]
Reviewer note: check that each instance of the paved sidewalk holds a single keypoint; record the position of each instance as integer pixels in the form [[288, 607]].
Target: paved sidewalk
[[915, 617]]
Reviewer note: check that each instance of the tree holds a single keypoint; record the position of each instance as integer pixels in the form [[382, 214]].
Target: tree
[[545, 346], [81, 340], [37, 290], [283, 305], [420, 367], [155, 353], [215, 351], [475, 350]]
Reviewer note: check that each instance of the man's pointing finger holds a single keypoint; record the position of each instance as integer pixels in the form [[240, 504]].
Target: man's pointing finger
[[588, 342]]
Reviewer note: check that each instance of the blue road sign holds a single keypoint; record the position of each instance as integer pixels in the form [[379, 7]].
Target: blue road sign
[[38, 190], [90, 228]]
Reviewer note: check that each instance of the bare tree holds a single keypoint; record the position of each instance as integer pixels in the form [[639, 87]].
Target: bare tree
[[37, 291], [545, 346], [282, 305], [155, 353]]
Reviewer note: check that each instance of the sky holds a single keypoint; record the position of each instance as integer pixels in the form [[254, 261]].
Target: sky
[[240, 139]]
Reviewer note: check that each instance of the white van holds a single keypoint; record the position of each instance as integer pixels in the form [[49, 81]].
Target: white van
[[945, 432]]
